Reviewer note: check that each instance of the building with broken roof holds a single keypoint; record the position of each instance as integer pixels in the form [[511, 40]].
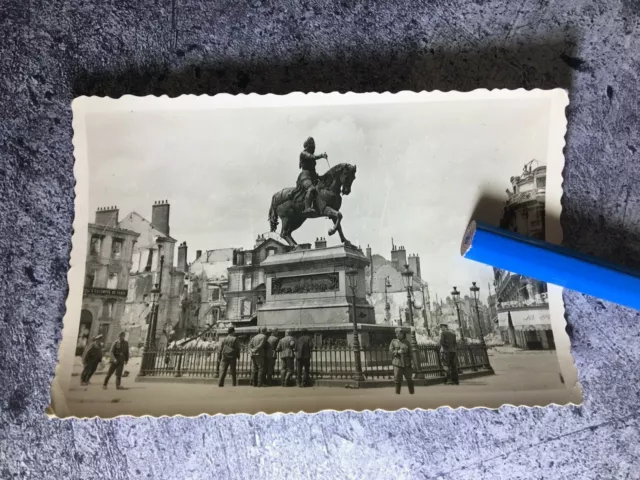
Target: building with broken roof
[[390, 301], [152, 263], [205, 299]]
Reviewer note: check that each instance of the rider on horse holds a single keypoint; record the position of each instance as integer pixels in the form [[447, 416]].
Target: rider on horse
[[308, 177]]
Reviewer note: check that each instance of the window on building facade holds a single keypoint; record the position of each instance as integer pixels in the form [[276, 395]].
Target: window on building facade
[[213, 316], [247, 258], [247, 282], [149, 264], [154, 260], [245, 308], [135, 262], [90, 279], [116, 249], [108, 309], [96, 244], [104, 331], [541, 182], [214, 294], [113, 281]]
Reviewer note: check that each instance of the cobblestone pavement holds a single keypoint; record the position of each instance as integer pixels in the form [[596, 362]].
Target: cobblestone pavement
[[522, 378]]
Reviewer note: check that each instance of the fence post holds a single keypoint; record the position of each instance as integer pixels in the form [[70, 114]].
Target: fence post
[[179, 366]]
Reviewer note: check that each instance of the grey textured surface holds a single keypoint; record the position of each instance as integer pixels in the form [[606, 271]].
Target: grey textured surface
[[52, 51]]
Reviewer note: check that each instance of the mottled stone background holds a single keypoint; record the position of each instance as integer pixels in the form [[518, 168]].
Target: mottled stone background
[[53, 50]]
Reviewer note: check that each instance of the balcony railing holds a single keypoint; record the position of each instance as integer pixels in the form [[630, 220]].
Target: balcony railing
[[332, 363]]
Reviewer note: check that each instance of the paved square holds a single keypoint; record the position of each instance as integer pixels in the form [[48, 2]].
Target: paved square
[[522, 377]]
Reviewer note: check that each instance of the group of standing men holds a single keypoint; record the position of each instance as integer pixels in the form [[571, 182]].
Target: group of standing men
[[402, 358], [264, 349]]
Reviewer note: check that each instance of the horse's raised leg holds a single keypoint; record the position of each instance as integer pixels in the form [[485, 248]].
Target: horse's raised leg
[[336, 216]]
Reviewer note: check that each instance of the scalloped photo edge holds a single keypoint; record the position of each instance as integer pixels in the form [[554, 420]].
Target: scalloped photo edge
[[132, 150]]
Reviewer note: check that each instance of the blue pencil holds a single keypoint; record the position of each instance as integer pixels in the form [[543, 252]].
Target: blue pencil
[[551, 263]]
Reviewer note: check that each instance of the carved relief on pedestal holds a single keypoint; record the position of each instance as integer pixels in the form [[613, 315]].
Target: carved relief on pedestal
[[326, 282]]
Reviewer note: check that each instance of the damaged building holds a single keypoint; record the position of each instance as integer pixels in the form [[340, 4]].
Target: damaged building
[[204, 301], [386, 291], [109, 252], [152, 262]]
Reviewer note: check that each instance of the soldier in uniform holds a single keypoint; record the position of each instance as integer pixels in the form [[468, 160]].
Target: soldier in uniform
[[400, 350], [119, 355], [308, 177], [229, 353], [286, 348], [271, 355], [449, 354], [304, 347], [258, 355], [91, 358]]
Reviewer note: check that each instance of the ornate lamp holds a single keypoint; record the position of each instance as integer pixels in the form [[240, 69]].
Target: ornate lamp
[[407, 278], [407, 281], [352, 278]]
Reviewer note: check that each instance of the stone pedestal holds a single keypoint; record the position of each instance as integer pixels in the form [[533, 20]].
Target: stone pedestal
[[310, 288]]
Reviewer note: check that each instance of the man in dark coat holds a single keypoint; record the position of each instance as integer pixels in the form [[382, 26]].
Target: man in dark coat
[[229, 353], [119, 355], [401, 354], [449, 354], [91, 358], [304, 347], [258, 357], [286, 348], [271, 355]]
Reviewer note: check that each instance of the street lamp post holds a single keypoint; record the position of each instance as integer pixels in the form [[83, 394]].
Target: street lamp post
[[456, 300], [474, 293], [387, 307], [352, 276], [148, 358], [407, 279]]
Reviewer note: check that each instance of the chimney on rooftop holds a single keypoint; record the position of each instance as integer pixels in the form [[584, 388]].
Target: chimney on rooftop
[[182, 257], [160, 215], [321, 242], [107, 216]]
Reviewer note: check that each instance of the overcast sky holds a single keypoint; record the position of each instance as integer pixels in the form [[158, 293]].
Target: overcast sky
[[421, 169]]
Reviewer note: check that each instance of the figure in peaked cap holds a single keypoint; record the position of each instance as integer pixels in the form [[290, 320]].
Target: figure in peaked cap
[[286, 348], [400, 350], [119, 355], [271, 355], [91, 358], [449, 354]]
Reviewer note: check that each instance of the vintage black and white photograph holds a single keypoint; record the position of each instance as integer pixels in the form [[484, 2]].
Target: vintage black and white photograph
[[301, 253]]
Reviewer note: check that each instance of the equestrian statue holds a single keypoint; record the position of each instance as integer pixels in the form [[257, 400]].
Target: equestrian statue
[[314, 196]]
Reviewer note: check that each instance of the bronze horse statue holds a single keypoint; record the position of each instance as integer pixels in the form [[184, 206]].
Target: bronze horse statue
[[288, 203]]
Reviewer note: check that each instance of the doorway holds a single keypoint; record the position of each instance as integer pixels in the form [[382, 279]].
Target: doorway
[[84, 332]]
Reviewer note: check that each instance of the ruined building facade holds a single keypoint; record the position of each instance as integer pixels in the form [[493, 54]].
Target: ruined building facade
[[153, 242], [109, 252]]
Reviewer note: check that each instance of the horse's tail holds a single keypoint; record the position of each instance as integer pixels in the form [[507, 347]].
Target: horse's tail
[[273, 216]]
